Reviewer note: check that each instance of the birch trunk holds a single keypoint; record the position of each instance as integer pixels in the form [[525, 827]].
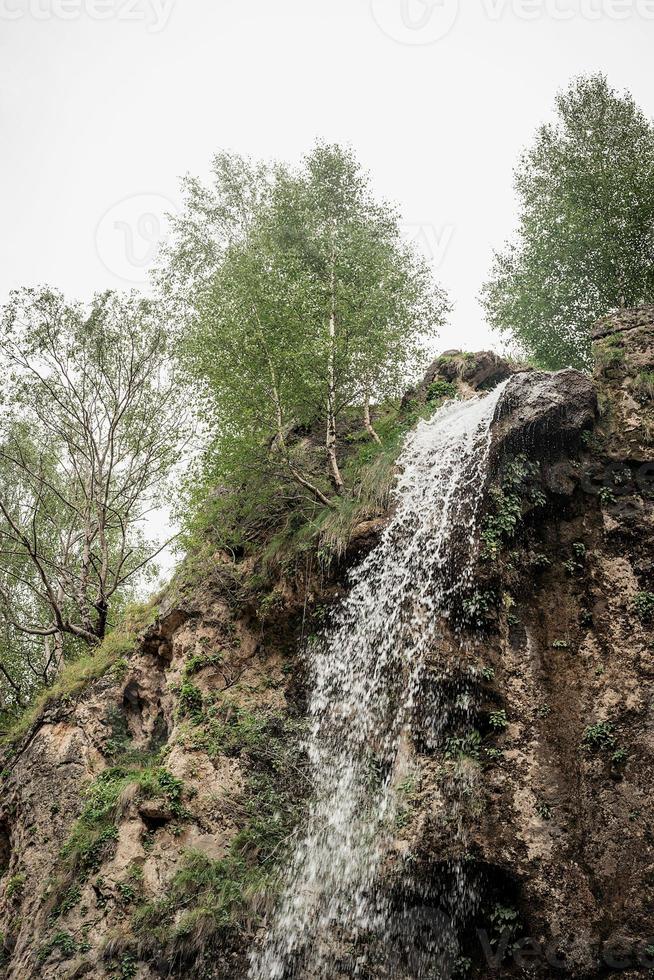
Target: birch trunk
[[330, 442], [367, 421], [280, 437]]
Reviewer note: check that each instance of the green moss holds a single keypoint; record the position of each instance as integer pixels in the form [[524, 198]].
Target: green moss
[[209, 901], [96, 831]]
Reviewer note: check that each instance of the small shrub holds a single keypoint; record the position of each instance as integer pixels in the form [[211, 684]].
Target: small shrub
[[643, 387], [504, 925], [208, 899], [199, 661], [644, 606], [518, 489], [441, 389], [498, 720], [15, 886], [190, 703], [68, 901], [590, 440], [126, 891], [607, 497], [62, 941], [610, 353], [125, 968], [463, 746], [110, 657], [96, 831], [599, 736], [228, 729], [476, 609]]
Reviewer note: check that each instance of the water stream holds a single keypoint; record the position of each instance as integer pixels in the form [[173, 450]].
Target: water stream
[[366, 675]]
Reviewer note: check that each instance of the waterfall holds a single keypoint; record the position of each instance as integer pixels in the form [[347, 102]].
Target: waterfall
[[365, 675]]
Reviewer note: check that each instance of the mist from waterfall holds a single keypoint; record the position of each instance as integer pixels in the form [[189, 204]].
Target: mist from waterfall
[[365, 683]]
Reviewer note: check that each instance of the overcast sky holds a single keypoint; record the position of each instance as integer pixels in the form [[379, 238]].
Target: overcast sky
[[105, 103]]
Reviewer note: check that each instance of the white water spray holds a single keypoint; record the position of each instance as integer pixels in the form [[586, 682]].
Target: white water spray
[[365, 676]]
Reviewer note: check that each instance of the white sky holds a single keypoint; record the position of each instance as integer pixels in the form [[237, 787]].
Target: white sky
[[96, 112], [105, 103]]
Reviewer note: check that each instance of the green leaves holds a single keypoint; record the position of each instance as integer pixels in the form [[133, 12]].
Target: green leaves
[[93, 424], [304, 303], [585, 239]]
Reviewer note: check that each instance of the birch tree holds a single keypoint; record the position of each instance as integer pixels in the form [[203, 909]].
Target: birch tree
[[311, 304], [374, 304], [90, 432]]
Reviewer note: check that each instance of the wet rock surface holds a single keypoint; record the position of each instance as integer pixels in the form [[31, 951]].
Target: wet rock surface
[[554, 787], [544, 411]]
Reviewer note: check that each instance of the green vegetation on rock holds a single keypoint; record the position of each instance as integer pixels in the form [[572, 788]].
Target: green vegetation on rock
[[518, 491]]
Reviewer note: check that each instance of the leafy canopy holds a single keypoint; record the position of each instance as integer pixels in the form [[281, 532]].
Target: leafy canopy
[[299, 300], [585, 239], [90, 431]]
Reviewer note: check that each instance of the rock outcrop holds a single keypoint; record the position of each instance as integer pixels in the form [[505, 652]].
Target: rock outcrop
[[141, 811], [543, 411], [557, 813]]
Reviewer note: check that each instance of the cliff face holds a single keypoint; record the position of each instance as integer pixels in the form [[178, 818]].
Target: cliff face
[[557, 813], [122, 804], [144, 813], [567, 814]]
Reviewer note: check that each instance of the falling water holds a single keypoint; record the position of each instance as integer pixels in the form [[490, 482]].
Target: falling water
[[366, 678]]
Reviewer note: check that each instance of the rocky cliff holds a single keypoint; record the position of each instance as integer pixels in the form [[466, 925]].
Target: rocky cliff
[[148, 802]]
